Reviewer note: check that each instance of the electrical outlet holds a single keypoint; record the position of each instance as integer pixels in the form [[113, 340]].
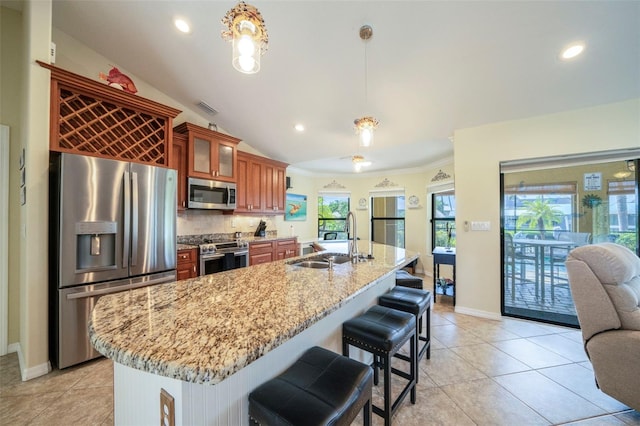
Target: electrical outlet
[[167, 409], [233, 223]]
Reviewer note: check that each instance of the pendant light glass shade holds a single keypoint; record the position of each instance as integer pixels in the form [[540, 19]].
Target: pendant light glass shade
[[359, 162], [365, 127], [246, 52], [248, 35]]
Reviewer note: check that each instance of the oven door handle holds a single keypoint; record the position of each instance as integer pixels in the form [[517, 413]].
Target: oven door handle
[[241, 253], [212, 256]]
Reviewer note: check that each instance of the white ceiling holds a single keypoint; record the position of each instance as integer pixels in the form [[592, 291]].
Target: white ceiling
[[433, 67]]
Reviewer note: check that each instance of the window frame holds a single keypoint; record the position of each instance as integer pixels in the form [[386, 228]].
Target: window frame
[[543, 191], [435, 220], [322, 221], [374, 219]]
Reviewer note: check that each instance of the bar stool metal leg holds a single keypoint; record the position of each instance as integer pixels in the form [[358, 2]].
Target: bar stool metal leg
[[382, 332]]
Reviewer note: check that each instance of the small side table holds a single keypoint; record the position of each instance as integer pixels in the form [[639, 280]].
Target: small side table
[[443, 256]]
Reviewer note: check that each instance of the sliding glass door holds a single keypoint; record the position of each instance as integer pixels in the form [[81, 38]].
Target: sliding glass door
[[387, 218], [548, 211]]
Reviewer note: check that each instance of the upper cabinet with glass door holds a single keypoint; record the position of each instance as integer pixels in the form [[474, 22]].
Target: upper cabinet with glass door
[[211, 155]]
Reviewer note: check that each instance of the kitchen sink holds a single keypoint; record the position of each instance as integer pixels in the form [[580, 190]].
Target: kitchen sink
[[338, 258], [314, 264], [321, 261]]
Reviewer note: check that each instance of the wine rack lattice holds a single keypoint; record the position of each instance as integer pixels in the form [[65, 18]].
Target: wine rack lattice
[[95, 126]]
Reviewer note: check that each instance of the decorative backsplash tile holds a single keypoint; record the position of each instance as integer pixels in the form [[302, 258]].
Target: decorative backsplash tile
[[207, 222]]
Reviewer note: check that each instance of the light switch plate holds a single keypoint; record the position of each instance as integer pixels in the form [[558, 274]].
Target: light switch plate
[[480, 226]]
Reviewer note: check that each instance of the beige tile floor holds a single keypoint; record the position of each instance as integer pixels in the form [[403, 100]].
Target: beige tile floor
[[481, 372]]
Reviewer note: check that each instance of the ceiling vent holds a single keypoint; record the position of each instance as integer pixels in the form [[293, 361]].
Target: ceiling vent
[[207, 108]]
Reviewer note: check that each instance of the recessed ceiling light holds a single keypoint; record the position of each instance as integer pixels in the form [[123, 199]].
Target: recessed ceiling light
[[572, 51], [299, 127], [182, 25]]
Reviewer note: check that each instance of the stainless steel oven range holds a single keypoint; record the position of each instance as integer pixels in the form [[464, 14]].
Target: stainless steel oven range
[[218, 256]]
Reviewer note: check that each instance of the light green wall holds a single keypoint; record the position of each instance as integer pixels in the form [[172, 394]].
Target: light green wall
[[11, 49], [33, 221], [478, 152]]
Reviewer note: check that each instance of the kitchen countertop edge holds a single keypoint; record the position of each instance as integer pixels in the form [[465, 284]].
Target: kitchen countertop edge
[[105, 332]]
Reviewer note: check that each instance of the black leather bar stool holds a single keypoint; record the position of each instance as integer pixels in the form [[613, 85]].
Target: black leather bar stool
[[405, 279], [382, 332], [320, 388], [418, 303]]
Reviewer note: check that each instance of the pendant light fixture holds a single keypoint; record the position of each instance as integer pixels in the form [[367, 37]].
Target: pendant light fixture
[[359, 162], [248, 34], [365, 126]]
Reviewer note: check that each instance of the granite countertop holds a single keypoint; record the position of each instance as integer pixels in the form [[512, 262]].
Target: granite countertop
[[186, 246], [204, 329], [267, 238], [194, 241]]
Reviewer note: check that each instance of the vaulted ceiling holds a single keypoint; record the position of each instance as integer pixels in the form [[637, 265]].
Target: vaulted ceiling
[[432, 67]]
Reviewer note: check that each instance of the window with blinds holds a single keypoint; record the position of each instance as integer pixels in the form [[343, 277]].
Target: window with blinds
[[623, 211]]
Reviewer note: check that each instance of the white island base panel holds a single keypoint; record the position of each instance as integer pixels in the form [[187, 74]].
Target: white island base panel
[[137, 393]]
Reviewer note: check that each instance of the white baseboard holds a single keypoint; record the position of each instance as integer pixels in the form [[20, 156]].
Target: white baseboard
[[478, 313], [32, 372], [37, 371]]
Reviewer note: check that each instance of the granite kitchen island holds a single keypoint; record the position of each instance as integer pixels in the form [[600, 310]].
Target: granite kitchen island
[[210, 340]]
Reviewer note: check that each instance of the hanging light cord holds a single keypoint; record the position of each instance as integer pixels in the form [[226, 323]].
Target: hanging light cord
[[366, 77]]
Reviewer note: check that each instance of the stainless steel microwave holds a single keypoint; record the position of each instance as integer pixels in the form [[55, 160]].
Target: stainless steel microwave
[[211, 194]]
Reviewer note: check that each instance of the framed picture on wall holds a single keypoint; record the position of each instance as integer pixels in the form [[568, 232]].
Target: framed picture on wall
[[593, 181], [296, 207]]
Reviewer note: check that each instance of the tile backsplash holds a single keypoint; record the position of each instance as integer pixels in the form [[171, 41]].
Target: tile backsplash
[[196, 222]]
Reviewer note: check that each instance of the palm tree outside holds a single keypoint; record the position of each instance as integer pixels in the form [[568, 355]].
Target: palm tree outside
[[540, 216]]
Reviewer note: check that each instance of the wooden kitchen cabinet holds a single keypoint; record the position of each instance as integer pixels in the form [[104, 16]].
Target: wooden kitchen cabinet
[[210, 154], [260, 185], [248, 184], [179, 162], [261, 252], [87, 117], [268, 251], [187, 265], [286, 248]]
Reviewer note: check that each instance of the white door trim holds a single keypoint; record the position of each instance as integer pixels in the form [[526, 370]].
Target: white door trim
[[4, 238]]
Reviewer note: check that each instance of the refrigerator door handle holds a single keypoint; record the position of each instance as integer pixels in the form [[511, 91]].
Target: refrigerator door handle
[[134, 218], [116, 289], [126, 243]]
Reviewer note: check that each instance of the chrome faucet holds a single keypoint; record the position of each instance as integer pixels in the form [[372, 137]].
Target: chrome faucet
[[353, 244]]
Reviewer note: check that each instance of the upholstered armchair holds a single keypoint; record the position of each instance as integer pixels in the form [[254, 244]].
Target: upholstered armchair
[[605, 285]]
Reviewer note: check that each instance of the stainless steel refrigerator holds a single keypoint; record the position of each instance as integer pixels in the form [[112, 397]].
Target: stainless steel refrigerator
[[112, 228]]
